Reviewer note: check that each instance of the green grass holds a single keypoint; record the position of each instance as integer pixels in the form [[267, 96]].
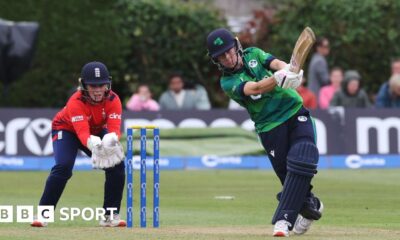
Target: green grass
[[205, 141], [360, 204]]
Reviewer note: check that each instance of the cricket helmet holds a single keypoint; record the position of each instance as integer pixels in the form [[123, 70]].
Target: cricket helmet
[[220, 41], [95, 73]]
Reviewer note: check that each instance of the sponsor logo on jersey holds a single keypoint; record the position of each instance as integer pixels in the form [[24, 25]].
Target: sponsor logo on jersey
[[114, 116], [253, 63], [77, 118]]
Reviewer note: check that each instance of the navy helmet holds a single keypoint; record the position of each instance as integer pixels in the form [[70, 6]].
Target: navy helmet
[[95, 73], [220, 41]]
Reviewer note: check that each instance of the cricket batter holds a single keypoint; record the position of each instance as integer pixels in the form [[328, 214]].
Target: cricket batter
[[91, 122], [264, 86]]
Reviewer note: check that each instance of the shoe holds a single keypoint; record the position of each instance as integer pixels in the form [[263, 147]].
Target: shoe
[[116, 222], [37, 223], [302, 224], [281, 228]]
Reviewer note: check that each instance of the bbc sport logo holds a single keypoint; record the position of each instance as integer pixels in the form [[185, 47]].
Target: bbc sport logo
[[26, 213]]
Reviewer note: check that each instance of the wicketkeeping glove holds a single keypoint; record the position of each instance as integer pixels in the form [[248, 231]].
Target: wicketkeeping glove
[[113, 149], [109, 154]]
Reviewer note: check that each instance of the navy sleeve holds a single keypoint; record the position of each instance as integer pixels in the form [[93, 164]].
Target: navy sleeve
[[268, 61], [241, 89]]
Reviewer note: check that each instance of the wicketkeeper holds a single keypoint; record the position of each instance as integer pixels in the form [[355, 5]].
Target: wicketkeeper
[[264, 86], [91, 122]]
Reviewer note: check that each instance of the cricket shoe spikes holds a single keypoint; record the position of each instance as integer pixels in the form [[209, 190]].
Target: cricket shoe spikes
[[115, 222], [281, 228], [302, 224]]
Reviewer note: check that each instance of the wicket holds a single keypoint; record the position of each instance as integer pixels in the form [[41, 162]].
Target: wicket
[[156, 175]]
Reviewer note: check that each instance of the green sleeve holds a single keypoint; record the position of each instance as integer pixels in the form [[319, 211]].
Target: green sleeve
[[233, 87]]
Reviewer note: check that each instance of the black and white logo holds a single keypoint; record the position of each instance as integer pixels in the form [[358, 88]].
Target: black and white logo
[[97, 72], [272, 153], [302, 118], [253, 63]]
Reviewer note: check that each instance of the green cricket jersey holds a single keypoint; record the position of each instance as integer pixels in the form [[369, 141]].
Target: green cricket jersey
[[267, 110]]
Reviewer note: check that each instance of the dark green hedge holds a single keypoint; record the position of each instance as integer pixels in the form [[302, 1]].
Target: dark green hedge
[[144, 40], [168, 36], [72, 33], [138, 40], [364, 35]]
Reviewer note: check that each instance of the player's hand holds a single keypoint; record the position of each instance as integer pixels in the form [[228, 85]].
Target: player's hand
[[115, 154], [280, 77], [286, 79], [92, 142], [110, 139], [109, 153], [99, 157], [113, 149], [293, 80]]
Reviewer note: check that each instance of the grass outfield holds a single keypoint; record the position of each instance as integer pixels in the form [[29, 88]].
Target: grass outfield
[[360, 204]]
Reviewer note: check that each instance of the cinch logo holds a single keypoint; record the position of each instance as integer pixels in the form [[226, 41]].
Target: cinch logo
[[164, 162], [77, 118], [114, 116], [213, 161], [356, 161]]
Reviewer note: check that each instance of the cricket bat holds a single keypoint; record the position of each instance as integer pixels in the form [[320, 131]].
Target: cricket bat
[[300, 52]]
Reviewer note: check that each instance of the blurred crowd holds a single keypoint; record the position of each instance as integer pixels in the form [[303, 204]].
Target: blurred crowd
[[323, 87], [180, 95], [337, 87]]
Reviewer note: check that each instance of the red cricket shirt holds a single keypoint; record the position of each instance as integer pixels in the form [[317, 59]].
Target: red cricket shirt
[[82, 117]]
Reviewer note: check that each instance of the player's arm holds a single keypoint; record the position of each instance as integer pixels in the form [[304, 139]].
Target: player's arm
[[277, 64], [79, 121], [283, 78], [262, 86], [113, 153], [266, 84]]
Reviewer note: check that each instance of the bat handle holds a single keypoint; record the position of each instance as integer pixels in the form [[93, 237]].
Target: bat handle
[[293, 66]]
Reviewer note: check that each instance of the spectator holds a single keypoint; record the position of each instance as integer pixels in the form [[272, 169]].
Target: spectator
[[142, 101], [178, 98], [351, 94], [318, 72], [202, 101], [326, 93], [389, 92], [309, 98]]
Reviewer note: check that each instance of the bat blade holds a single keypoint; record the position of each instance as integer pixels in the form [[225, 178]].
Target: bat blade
[[300, 52]]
